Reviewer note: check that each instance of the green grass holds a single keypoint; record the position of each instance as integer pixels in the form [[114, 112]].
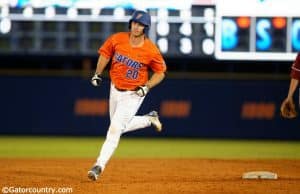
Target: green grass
[[88, 147]]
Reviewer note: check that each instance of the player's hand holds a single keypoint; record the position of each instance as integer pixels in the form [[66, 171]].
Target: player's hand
[[142, 91], [96, 80], [287, 109]]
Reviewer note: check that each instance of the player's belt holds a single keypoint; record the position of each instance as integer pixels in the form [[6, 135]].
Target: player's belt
[[122, 90]]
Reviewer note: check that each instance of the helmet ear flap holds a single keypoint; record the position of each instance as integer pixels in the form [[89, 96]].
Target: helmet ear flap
[[129, 24], [146, 30]]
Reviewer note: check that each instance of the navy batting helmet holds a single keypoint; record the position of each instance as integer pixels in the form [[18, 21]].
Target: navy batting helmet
[[141, 17]]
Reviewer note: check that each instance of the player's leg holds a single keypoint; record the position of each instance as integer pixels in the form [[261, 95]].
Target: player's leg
[[111, 141], [113, 100], [126, 107], [137, 122], [140, 122], [110, 144]]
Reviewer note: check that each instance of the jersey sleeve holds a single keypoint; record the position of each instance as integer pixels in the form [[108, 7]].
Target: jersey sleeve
[[295, 72], [107, 49], [158, 64]]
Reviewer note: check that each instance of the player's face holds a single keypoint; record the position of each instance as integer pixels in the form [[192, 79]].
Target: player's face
[[137, 29]]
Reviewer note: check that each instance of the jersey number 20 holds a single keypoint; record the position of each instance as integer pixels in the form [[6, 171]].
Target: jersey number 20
[[132, 74]]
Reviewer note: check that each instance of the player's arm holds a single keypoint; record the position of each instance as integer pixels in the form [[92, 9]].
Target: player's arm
[[295, 77], [287, 108], [155, 79], [293, 85], [159, 68], [105, 53], [101, 64]]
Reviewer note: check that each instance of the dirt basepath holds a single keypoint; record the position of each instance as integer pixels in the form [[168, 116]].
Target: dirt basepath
[[141, 176]]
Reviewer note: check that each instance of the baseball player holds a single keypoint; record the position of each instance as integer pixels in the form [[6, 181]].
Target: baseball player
[[132, 54], [287, 108]]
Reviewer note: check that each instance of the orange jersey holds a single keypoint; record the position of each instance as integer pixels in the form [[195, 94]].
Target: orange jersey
[[129, 67]]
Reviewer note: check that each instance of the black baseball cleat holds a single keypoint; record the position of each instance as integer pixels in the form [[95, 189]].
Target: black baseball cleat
[[94, 173], [154, 119]]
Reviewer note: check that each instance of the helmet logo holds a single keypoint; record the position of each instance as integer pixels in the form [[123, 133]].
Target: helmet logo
[[139, 16]]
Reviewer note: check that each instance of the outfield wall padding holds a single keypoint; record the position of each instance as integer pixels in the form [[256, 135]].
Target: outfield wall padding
[[247, 109]]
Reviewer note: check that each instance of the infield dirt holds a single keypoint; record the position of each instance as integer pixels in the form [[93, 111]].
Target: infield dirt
[[140, 176]]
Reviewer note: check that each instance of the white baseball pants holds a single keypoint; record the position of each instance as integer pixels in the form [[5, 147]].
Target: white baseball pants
[[123, 105]]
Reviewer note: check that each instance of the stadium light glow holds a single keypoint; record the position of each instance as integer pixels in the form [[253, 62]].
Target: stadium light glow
[[95, 12], [140, 5], [5, 25], [209, 29], [186, 45], [162, 14], [4, 11], [50, 12], [90, 4], [185, 14], [163, 28], [119, 13], [13, 3], [4, 2], [72, 12], [209, 14], [208, 46], [28, 12], [163, 45], [186, 29]]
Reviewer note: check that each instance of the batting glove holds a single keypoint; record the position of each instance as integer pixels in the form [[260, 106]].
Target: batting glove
[[142, 91], [96, 80]]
